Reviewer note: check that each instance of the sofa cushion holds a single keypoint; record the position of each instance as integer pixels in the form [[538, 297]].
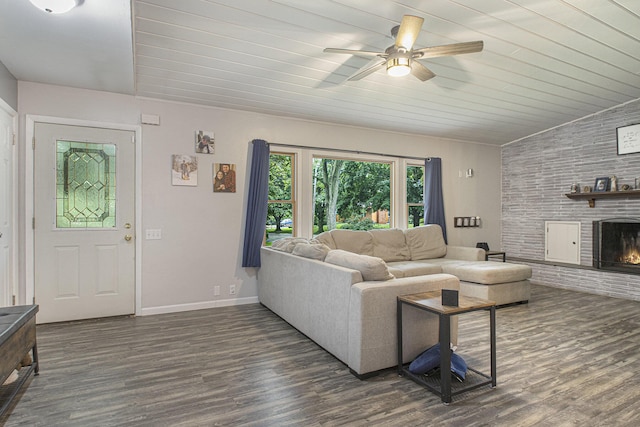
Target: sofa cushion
[[326, 239], [425, 242], [390, 245], [371, 268], [488, 272], [288, 243], [359, 242], [413, 268], [317, 251]]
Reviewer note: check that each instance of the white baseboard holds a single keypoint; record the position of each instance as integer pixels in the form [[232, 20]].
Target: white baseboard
[[148, 311]]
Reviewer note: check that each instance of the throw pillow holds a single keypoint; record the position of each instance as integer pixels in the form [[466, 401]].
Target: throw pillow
[[288, 243], [371, 268], [314, 251], [430, 360]]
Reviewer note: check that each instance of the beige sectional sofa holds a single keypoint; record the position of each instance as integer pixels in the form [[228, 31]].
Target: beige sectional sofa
[[340, 288]]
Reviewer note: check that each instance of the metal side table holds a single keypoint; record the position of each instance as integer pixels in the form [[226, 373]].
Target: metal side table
[[432, 303]]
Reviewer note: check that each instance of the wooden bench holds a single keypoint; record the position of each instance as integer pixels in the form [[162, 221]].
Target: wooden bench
[[17, 339]]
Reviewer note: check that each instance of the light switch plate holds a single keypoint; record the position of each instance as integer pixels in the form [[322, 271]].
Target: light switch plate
[[153, 234]]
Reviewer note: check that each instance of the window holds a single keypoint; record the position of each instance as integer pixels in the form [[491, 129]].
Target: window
[[350, 194], [415, 196], [85, 185], [281, 205]]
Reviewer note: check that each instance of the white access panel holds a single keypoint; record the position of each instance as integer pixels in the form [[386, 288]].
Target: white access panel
[[562, 241]]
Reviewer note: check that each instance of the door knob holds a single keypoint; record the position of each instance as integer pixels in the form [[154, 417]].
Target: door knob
[[127, 237]]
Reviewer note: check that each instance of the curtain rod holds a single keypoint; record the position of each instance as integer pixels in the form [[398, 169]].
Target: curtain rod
[[342, 150]]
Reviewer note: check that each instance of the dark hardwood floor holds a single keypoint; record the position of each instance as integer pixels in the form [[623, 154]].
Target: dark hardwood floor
[[565, 359]]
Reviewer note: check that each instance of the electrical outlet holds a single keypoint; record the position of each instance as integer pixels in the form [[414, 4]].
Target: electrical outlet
[[216, 290], [232, 289]]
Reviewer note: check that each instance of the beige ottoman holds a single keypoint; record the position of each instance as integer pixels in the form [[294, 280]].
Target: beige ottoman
[[501, 282]]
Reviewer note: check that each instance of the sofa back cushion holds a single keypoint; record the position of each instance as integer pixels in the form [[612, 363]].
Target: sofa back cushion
[[359, 242], [371, 268], [390, 245], [326, 239], [425, 242]]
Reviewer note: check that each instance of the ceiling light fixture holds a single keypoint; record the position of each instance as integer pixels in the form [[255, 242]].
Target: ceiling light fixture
[[398, 64], [55, 6]]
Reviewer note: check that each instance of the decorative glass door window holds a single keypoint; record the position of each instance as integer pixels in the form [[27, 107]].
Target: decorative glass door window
[[85, 185]]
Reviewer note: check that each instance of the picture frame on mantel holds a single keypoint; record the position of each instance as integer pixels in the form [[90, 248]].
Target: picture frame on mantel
[[602, 184], [628, 138]]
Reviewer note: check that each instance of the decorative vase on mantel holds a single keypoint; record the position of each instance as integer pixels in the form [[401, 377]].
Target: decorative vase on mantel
[[614, 183]]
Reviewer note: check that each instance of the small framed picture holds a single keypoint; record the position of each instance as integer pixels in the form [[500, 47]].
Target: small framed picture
[[184, 170], [602, 184], [224, 178], [205, 142]]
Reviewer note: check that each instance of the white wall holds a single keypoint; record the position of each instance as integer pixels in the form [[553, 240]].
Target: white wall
[[202, 232], [8, 87]]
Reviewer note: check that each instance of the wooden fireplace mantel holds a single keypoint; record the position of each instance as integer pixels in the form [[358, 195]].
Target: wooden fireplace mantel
[[591, 197]]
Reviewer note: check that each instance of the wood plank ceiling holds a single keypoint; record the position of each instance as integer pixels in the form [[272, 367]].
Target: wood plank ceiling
[[545, 62]]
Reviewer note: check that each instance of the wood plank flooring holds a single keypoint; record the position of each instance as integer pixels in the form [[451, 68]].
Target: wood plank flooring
[[565, 359]]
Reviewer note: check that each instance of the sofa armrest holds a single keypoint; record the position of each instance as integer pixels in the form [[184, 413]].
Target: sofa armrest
[[311, 295], [373, 321], [465, 253]]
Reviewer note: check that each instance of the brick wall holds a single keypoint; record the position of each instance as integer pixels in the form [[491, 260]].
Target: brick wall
[[539, 170]]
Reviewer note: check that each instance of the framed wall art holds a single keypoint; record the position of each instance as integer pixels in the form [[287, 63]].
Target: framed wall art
[[628, 138], [184, 170], [205, 142], [224, 178]]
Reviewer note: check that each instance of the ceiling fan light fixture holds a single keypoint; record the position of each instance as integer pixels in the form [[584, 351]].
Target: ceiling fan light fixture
[[398, 66], [55, 6]]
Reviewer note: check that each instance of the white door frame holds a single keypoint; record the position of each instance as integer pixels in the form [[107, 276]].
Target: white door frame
[[30, 123], [14, 194]]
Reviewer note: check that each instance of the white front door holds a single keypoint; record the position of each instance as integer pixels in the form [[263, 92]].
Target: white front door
[[7, 263], [84, 204]]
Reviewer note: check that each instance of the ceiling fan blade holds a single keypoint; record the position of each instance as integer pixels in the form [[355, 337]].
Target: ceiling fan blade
[[421, 72], [365, 53], [450, 49], [367, 70], [409, 30]]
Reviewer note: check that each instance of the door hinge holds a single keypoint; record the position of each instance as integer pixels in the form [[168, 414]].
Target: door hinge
[[33, 223], [13, 300], [14, 139], [33, 143]]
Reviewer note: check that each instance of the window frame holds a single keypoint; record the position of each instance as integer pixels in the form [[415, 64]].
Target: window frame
[[303, 175], [354, 157], [293, 200], [408, 204]]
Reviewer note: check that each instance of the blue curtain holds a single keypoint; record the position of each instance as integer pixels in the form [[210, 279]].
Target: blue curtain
[[433, 201], [256, 217]]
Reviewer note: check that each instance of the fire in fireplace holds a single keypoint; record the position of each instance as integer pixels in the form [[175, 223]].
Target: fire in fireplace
[[616, 244]]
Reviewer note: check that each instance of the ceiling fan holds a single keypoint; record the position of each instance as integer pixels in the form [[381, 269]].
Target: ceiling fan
[[400, 58]]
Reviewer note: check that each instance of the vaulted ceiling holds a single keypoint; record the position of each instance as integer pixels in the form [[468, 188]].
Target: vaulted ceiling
[[544, 63]]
